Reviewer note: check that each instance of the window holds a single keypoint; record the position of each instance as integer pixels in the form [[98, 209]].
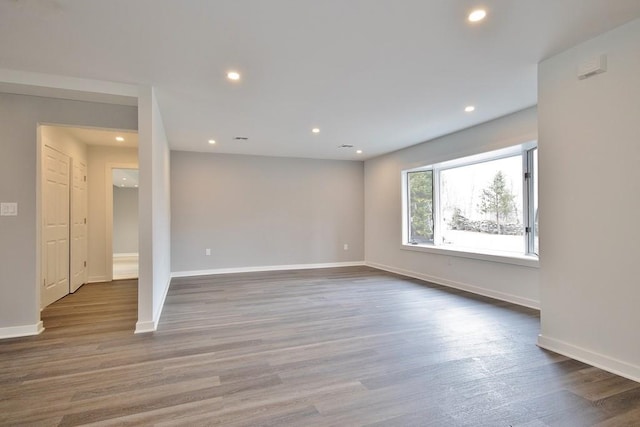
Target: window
[[533, 191], [481, 204], [421, 206]]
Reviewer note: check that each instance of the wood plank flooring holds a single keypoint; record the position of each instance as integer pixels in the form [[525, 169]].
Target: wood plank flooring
[[332, 347]]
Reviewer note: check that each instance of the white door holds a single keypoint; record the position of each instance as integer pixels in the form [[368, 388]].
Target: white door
[[78, 225], [55, 212]]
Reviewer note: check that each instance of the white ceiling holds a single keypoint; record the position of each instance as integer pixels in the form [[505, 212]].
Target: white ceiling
[[377, 74], [104, 137]]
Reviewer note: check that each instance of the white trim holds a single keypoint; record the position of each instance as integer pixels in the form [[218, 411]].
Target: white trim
[[131, 258], [145, 327], [484, 156], [152, 326], [598, 360], [514, 299], [126, 255], [21, 331], [265, 268], [156, 316], [514, 259], [65, 87], [39, 220], [97, 279]]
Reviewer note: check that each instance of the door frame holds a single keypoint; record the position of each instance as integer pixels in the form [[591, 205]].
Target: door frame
[[72, 224], [39, 220], [108, 179]]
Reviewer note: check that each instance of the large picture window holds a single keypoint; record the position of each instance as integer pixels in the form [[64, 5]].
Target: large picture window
[[485, 203]]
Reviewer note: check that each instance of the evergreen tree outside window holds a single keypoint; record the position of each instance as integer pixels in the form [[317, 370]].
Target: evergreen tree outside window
[[421, 207]]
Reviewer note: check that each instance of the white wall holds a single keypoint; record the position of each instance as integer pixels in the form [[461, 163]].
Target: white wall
[[55, 137], [19, 252], [125, 220], [161, 212], [99, 178], [254, 211], [155, 213], [383, 214], [589, 203]]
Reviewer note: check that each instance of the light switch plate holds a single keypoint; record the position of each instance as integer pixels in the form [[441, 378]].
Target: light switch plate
[[8, 209]]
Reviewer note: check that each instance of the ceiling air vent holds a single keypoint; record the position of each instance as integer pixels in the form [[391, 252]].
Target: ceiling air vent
[[345, 146], [240, 138]]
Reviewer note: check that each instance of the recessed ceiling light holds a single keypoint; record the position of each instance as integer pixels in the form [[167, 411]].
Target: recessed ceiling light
[[477, 15], [212, 141], [233, 75], [119, 138], [315, 130], [122, 185], [124, 179], [359, 151], [136, 185], [469, 108]]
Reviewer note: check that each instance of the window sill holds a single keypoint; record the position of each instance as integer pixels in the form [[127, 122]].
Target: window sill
[[522, 260]]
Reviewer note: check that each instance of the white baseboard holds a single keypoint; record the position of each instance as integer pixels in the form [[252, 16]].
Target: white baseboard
[[151, 326], [144, 327], [21, 331], [126, 255], [156, 316], [601, 361], [97, 279], [526, 302], [264, 268], [124, 276]]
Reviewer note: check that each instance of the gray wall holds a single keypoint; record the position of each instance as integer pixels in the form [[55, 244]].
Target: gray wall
[[383, 214], [264, 211], [125, 220], [19, 117], [589, 203]]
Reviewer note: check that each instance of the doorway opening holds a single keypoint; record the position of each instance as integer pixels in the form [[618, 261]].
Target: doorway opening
[[125, 223], [76, 205]]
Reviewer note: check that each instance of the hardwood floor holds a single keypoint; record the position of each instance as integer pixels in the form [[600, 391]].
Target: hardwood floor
[[332, 347]]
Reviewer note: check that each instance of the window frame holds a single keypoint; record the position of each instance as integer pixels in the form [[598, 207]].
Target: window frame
[[530, 193], [528, 258]]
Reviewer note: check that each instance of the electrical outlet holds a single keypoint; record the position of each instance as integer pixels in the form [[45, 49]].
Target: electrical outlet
[[346, 246], [207, 252]]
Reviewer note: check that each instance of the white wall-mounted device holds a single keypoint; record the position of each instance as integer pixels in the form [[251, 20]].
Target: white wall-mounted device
[[595, 65]]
